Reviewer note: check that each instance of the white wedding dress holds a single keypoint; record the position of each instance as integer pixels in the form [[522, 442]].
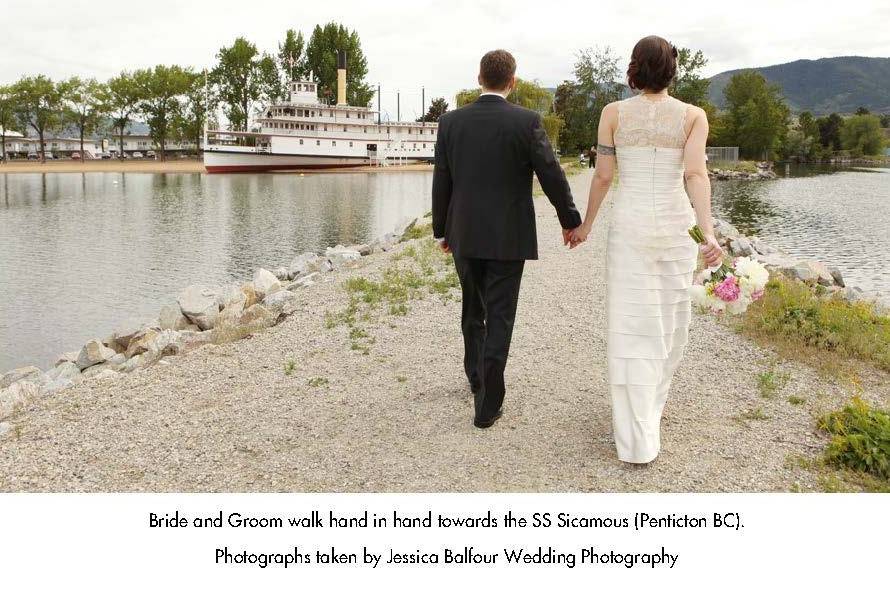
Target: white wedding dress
[[650, 262]]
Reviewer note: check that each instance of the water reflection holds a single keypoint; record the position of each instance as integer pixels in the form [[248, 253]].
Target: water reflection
[[81, 253], [841, 216]]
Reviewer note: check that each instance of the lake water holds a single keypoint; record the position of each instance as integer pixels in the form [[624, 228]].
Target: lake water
[[82, 253], [839, 216]]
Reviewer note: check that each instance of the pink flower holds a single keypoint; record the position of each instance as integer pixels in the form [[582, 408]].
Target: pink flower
[[756, 295], [728, 290]]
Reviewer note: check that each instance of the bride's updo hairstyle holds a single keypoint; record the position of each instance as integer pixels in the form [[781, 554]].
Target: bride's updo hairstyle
[[653, 64]]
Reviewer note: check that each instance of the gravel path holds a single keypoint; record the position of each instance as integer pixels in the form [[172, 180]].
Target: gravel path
[[229, 418]]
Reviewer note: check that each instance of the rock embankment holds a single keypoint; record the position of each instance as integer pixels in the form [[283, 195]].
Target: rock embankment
[[200, 315], [812, 272], [764, 170]]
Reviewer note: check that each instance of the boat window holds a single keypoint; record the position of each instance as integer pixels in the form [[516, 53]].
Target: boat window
[[350, 145], [318, 142], [333, 143]]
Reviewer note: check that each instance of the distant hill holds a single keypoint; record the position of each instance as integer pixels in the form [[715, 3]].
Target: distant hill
[[826, 85]]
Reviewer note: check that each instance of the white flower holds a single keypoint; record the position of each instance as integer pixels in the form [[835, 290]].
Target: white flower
[[753, 270], [738, 306], [699, 295]]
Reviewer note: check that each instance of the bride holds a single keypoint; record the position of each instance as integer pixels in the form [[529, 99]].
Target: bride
[[656, 142]]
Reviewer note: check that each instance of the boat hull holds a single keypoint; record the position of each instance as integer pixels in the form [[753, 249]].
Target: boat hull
[[218, 161]]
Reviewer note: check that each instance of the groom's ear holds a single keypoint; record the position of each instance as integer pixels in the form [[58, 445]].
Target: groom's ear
[[479, 80]]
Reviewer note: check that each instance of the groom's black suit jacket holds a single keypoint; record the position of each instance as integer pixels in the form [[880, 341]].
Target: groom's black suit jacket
[[486, 153]]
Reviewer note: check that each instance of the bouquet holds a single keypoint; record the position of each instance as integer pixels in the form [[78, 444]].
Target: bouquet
[[729, 288]]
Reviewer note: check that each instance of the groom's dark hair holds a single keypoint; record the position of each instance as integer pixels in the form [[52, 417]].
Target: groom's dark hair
[[496, 69], [653, 64]]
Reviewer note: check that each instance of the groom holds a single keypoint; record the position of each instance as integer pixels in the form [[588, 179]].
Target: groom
[[484, 215]]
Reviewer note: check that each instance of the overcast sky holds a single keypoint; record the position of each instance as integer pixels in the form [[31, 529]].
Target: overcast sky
[[436, 44]]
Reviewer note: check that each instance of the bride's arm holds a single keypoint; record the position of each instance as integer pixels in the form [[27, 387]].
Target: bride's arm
[[698, 185], [605, 169]]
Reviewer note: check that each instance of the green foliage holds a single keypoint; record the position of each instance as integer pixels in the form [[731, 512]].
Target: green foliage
[[160, 90], [580, 102], [321, 58], [791, 312], [83, 106], [437, 108], [242, 77], [417, 231], [38, 105], [862, 111], [885, 120], [757, 116], [8, 119], [862, 135], [197, 104], [860, 438], [121, 98], [830, 131], [290, 367], [291, 60], [771, 381], [689, 85], [318, 382], [526, 93]]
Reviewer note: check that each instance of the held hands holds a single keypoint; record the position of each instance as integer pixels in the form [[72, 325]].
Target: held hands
[[576, 236], [711, 251]]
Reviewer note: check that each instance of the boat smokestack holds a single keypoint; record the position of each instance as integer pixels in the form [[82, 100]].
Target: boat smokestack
[[341, 77]]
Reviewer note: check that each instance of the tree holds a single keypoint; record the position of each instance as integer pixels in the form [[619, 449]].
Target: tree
[[862, 135], [830, 131], [437, 108], [161, 90], [321, 58], [7, 116], [689, 85], [807, 124], [580, 102], [84, 107], [885, 120], [862, 111], [757, 116], [39, 106], [197, 102], [291, 60], [121, 98], [242, 77]]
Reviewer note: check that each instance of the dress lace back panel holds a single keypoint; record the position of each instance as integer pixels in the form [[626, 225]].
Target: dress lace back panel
[[650, 263]]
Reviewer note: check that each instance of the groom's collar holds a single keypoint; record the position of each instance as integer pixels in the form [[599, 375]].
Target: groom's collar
[[491, 96]]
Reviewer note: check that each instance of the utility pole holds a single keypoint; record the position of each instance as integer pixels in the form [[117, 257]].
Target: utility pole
[[398, 106], [378, 103], [422, 102]]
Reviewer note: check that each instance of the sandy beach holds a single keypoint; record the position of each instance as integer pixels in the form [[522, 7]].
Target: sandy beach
[[169, 166], [382, 405]]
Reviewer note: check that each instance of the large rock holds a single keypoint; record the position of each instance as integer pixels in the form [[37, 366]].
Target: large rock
[[810, 271], [93, 352], [199, 304], [231, 296], [282, 274], [119, 340], [250, 296], [171, 317], [363, 249], [265, 283], [305, 281], [257, 316], [837, 276], [341, 256], [303, 264], [67, 371], [16, 396], [29, 373], [280, 302], [740, 246], [141, 342], [67, 357]]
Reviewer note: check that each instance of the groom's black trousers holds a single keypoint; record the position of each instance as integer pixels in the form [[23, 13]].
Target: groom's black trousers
[[490, 294]]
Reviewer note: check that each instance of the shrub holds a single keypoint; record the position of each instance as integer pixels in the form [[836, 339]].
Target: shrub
[[860, 438]]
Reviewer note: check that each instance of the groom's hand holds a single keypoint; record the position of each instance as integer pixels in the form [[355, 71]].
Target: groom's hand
[[567, 236], [443, 245]]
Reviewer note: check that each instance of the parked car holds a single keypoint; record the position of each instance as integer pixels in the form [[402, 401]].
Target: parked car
[[137, 155], [75, 156], [33, 156], [105, 156], [151, 154]]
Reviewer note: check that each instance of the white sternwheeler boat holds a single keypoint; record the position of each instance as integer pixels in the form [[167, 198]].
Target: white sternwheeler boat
[[305, 133]]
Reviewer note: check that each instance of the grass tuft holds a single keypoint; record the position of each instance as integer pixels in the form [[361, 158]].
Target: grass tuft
[[860, 438], [771, 381], [800, 323]]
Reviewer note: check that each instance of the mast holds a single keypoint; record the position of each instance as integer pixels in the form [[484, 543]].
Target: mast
[[422, 103], [378, 103]]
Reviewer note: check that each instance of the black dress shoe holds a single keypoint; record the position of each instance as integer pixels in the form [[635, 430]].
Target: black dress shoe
[[488, 423]]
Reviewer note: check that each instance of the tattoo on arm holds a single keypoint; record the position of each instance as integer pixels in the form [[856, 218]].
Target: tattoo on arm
[[605, 149]]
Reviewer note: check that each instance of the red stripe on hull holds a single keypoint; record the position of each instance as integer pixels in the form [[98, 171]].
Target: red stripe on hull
[[254, 168]]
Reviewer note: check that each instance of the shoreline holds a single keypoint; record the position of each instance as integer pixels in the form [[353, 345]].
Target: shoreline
[[172, 166], [283, 411]]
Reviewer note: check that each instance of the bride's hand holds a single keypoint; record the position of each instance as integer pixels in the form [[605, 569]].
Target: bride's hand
[[579, 235], [711, 251]]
